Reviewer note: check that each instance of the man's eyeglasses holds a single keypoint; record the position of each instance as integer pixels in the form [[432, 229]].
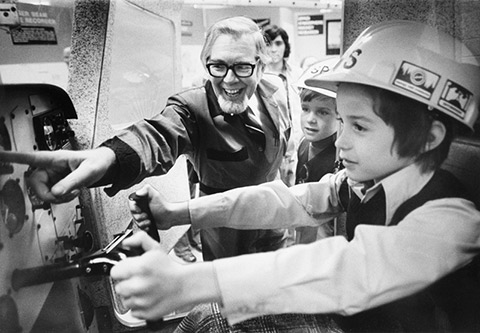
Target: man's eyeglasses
[[240, 70]]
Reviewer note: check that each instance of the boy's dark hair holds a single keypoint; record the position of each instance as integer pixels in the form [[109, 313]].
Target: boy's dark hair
[[272, 32], [411, 122], [306, 95]]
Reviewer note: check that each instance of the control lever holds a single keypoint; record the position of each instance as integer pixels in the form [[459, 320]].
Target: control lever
[[142, 202], [98, 263]]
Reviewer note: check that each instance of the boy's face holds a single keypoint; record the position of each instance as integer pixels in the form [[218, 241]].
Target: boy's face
[[365, 141], [318, 118], [233, 92]]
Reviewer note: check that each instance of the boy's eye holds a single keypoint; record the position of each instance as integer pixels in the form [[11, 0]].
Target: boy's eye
[[358, 128], [323, 112]]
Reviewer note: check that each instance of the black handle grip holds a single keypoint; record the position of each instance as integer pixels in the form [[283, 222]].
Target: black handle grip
[[155, 325], [142, 202], [44, 274]]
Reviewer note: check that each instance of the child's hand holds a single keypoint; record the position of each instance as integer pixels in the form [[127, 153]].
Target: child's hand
[[148, 284], [164, 214], [156, 209], [153, 285]]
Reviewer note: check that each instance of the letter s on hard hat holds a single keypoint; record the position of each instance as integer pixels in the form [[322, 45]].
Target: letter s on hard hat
[[318, 68], [413, 60]]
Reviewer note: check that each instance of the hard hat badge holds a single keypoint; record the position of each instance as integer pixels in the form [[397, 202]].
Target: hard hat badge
[[416, 80], [455, 98]]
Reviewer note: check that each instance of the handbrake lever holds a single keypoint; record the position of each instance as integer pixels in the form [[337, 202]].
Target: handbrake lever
[[98, 263], [142, 202]]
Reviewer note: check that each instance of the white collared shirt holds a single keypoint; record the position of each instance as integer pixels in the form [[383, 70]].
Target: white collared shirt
[[397, 190], [379, 265], [254, 106]]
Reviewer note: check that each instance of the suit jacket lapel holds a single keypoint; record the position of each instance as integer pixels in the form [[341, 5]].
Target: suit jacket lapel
[[266, 90]]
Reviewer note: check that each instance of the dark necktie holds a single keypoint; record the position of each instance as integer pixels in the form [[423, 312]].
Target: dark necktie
[[253, 127], [371, 212]]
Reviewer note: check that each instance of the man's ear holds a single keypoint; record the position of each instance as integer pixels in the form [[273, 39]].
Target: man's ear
[[436, 136]]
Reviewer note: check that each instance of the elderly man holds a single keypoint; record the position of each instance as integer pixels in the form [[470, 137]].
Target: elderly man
[[234, 130]]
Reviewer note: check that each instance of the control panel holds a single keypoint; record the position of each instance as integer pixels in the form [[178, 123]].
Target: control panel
[[32, 232]]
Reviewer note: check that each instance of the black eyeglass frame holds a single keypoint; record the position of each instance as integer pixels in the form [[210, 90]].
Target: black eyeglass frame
[[231, 67]]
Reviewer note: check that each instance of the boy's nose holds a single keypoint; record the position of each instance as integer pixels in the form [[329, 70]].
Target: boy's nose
[[342, 140], [311, 118]]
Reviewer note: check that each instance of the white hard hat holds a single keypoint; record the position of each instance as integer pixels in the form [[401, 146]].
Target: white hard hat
[[413, 60], [318, 68]]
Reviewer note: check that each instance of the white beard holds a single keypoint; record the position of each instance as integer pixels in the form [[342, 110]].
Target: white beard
[[232, 107]]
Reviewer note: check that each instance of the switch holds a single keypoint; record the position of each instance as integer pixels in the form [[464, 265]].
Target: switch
[[84, 242], [9, 14], [12, 206]]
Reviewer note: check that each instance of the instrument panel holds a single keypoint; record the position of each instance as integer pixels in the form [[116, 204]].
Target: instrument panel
[[34, 233]]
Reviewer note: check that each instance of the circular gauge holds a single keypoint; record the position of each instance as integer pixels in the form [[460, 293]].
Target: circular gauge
[[12, 206]]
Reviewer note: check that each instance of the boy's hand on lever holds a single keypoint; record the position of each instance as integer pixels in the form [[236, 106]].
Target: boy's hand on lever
[[58, 176], [153, 285], [163, 213]]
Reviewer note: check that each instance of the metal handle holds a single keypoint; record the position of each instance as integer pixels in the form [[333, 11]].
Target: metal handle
[[155, 325], [142, 202], [44, 274]]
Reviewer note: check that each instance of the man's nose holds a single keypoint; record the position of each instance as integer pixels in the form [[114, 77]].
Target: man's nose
[[230, 76]]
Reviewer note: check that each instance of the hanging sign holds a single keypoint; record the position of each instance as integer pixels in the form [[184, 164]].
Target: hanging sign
[[37, 25]]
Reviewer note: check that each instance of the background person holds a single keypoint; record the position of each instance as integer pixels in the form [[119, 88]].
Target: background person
[[279, 50], [316, 153]]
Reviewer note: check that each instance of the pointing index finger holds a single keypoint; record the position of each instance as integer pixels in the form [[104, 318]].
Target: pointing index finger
[[33, 159]]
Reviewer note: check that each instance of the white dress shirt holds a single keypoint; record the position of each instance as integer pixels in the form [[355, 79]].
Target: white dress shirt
[[379, 265]]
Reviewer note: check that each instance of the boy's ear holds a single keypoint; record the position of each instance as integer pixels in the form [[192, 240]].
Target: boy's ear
[[436, 136]]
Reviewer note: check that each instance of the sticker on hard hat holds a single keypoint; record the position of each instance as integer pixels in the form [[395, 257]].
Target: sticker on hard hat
[[351, 60], [416, 80], [455, 98], [318, 69]]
